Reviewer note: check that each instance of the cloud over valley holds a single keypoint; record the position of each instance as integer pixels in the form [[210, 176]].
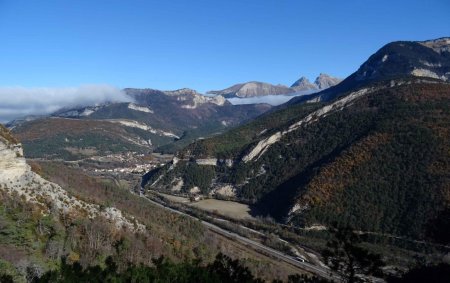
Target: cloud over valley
[[17, 102]]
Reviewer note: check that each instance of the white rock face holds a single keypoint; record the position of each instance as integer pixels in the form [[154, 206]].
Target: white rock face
[[195, 190], [81, 112], [178, 184], [181, 92], [227, 190], [439, 45], [136, 107], [16, 177], [199, 99], [262, 146], [87, 112], [142, 126], [428, 64], [192, 96], [12, 163], [207, 161], [427, 73], [314, 100], [338, 105], [316, 227]]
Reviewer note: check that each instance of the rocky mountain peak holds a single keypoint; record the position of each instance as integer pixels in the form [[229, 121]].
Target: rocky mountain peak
[[324, 81], [429, 58], [302, 81], [303, 84]]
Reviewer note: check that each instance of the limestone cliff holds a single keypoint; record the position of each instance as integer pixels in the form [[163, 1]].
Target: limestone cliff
[[16, 177]]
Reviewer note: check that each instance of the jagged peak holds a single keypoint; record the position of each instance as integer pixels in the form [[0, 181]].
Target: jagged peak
[[302, 82], [324, 81]]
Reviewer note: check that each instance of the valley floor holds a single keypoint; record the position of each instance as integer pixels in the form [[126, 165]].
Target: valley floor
[[231, 209]]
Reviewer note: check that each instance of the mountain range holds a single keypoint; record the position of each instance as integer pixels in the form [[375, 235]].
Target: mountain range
[[370, 152], [166, 120], [254, 89]]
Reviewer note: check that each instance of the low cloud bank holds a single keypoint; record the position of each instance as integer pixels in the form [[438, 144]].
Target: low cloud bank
[[273, 100], [17, 102]]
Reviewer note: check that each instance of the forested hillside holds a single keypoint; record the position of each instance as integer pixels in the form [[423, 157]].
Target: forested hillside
[[380, 164], [85, 219], [371, 152]]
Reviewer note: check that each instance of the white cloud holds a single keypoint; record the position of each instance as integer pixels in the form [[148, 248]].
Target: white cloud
[[269, 99], [17, 102]]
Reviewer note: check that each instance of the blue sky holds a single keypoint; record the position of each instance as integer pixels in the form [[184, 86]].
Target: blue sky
[[201, 44]]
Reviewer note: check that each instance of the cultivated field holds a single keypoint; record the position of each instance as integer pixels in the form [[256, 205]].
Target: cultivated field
[[227, 208], [231, 209]]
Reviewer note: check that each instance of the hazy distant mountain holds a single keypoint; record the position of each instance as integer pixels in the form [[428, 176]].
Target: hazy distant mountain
[[251, 89], [255, 89], [323, 81], [303, 84]]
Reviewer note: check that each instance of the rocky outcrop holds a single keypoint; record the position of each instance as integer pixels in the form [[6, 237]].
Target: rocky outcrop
[[16, 177], [207, 161], [440, 45], [224, 190], [199, 99], [142, 126], [136, 107], [181, 91]]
